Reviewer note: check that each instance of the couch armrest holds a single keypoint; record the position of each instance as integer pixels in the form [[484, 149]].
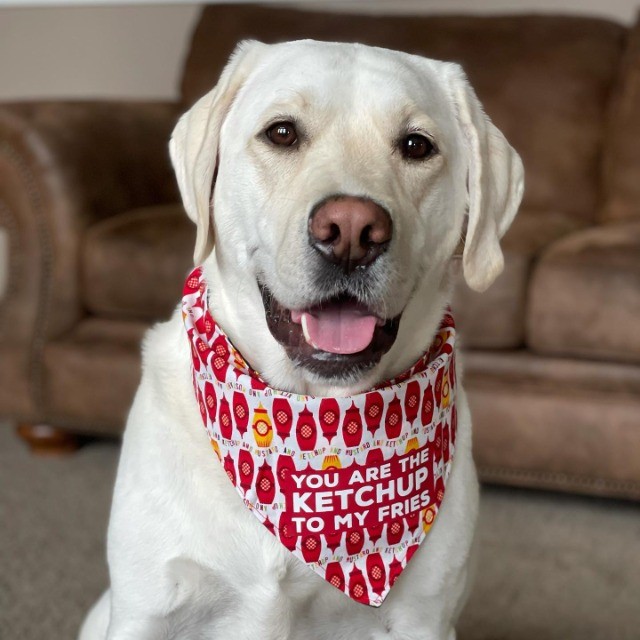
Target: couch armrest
[[64, 166]]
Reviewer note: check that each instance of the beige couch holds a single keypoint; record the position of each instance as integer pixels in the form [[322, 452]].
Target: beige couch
[[552, 349]]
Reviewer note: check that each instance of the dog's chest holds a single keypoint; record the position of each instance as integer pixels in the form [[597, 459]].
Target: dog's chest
[[282, 600], [247, 585]]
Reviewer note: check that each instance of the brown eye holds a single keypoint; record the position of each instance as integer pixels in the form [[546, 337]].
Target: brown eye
[[283, 134], [417, 147]]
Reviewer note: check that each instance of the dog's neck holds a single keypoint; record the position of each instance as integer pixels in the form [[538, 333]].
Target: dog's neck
[[235, 304]]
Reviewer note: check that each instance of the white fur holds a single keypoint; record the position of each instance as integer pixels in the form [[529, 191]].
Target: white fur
[[187, 559]]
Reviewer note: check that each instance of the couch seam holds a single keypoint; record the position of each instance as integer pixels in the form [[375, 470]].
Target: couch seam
[[622, 487]]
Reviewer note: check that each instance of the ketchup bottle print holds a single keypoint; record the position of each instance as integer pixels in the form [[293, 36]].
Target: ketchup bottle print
[[393, 419], [329, 415], [333, 539], [192, 283], [284, 468], [202, 407], [375, 457], [224, 419], [195, 358], [426, 410], [245, 469], [306, 431], [220, 358], [395, 529], [439, 489], [373, 411], [376, 572], [375, 531], [357, 586], [257, 384], [395, 569], [355, 541], [287, 531], [334, 575], [352, 426], [208, 326], [412, 401], [210, 401], [230, 469], [240, 412], [311, 547], [413, 521], [282, 417], [265, 484]]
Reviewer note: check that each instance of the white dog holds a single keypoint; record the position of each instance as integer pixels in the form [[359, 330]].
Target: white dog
[[343, 175]]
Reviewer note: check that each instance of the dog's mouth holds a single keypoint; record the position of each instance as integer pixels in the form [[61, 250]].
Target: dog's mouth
[[336, 338]]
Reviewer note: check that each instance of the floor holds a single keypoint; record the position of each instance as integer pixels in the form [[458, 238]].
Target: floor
[[552, 567]]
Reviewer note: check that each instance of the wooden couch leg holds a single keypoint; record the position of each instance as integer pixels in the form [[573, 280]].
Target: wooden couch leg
[[45, 440]]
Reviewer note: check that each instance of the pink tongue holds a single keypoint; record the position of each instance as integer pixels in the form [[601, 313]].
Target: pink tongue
[[337, 328]]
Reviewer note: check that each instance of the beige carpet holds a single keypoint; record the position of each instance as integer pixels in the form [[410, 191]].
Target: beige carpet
[[552, 567]]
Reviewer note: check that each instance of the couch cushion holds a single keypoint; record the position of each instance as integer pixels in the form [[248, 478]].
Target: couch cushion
[[622, 151], [538, 422], [90, 376], [495, 319], [585, 295], [133, 264], [544, 80]]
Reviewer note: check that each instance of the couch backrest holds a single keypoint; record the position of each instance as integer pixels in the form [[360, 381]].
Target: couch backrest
[[544, 80], [622, 156]]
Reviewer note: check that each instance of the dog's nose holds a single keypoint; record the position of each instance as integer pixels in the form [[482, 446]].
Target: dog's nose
[[350, 231]]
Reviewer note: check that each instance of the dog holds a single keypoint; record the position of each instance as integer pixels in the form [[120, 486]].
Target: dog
[[331, 185]]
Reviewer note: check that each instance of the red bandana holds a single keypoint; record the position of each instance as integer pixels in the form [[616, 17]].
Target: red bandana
[[350, 486]]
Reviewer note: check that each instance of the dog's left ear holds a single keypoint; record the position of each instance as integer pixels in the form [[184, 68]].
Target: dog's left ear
[[194, 143], [496, 185]]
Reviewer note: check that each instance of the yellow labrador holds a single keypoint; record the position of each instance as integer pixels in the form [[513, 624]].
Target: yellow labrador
[[315, 172]]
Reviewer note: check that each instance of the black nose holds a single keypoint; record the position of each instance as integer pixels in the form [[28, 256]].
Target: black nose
[[350, 231]]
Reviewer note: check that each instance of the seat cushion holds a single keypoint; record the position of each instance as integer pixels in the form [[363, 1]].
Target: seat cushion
[[552, 423], [134, 264], [584, 298], [544, 80], [495, 319], [90, 375]]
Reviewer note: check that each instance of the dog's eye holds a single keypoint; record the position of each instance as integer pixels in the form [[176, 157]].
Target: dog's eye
[[283, 134], [417, 147]]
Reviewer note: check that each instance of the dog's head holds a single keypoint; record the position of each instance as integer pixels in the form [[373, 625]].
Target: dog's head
[[336, 179]]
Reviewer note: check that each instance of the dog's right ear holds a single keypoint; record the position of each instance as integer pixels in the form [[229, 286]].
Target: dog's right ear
[[194, 144]]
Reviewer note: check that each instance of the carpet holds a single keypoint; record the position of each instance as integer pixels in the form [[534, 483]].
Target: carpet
[[552, 567]]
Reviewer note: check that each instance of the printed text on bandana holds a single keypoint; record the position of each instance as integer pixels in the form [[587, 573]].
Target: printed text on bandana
[[360, 495]]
